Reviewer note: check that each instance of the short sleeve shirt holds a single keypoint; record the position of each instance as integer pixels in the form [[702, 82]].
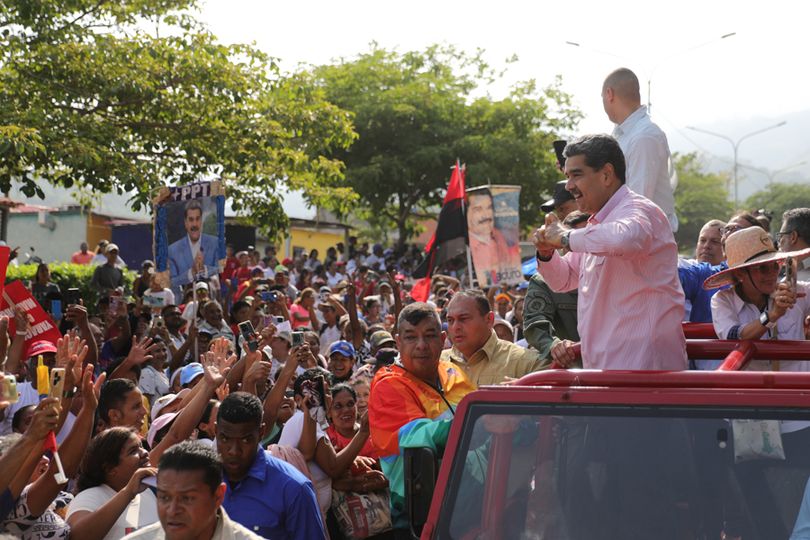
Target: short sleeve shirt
[[140, 512]]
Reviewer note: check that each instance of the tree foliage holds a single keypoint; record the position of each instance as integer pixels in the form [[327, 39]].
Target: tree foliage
[[68, 275], [699, 197], [779, 197], [89, 97], [416, 112]]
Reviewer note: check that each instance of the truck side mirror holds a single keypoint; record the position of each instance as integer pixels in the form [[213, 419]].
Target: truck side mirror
[[421, 470]]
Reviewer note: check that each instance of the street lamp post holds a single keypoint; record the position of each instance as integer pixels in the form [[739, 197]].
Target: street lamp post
[[658, 64], [773, 174], [670, 57], [736, 145]]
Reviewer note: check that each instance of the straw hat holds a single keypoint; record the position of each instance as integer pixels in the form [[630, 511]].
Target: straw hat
[[748, 247]]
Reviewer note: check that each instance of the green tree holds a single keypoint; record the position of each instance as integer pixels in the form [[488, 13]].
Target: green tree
[[416, 112], [779, 197], [90, 98], [699, 198]]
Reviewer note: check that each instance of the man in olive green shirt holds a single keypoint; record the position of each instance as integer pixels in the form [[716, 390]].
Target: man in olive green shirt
[[477, 350], [548, 316]]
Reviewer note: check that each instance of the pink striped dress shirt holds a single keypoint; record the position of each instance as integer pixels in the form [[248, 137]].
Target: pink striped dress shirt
[[630, 306]]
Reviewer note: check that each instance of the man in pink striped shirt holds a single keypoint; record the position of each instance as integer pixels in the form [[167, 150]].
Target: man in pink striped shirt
[[624, 263]]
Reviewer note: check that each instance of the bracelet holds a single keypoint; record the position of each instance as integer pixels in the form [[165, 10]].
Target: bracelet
[[69, 393], [543, 259], [21, 332]]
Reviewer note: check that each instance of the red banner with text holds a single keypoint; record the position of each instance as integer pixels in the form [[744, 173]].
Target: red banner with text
[[41, 326]]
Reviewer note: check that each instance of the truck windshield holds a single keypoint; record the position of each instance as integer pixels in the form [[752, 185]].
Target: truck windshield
[[626, 472]]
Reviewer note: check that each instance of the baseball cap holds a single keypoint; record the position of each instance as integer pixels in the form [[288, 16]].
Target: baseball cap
[[201, 285], [380, 338], [502, 296], [110, 247], [285, 335], [384, 357], [505, 323], [561, 195], [280, 268], [190, 372], [164, 401], [286, 262], [41, 346], [157, 425], [342, 347]]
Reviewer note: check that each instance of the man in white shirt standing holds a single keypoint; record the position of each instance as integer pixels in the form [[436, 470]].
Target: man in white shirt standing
[[650, 171]]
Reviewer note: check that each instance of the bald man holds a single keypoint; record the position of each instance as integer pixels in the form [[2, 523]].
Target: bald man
[[650, 171]]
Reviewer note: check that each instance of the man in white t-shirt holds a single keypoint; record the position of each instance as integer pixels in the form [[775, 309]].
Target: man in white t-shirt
[[156, 297], [201, 295]]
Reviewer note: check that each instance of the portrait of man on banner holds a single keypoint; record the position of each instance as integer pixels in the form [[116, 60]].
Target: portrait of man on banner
[[493, 227], [190, 232]]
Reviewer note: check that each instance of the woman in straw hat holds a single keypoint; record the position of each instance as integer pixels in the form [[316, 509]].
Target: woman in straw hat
[[756, 305]]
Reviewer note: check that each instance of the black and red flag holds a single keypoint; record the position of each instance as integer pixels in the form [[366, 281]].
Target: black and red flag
[[449, 240]]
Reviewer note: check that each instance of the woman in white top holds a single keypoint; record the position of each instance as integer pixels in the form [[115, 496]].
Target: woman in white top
[[112, 500], [303, 432], [757, 306]]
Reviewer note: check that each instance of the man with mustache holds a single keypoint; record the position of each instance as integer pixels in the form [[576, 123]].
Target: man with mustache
[[624, 264], [491, 253], [195, 253]]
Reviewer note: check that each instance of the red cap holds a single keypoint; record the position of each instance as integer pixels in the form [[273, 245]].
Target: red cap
[[287, 262], [40, 347]]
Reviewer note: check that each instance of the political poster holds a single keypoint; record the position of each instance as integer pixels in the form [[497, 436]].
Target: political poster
[[40, 327], [189, 233], [493, 225]]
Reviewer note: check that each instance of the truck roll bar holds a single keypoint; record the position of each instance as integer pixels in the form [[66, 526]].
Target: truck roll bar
[[736, 354]]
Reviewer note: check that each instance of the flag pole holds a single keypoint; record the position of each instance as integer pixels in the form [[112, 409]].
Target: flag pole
[[464, 213]]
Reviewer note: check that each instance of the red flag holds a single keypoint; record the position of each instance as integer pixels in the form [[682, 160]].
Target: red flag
[[5, 251], [421, 290], [49, 443], [450, 237]]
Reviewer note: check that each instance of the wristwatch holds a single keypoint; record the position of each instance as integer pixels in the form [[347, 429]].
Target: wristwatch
[[765, 321], [565, 240]]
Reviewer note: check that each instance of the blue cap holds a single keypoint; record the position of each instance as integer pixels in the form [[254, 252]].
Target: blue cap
[[190, 372], [342, 347], [523, 286]]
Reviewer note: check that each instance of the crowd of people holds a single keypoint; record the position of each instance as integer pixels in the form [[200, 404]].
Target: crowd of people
[[275, 399]]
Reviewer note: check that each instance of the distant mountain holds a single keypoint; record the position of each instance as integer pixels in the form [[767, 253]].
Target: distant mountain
[[783, 153]]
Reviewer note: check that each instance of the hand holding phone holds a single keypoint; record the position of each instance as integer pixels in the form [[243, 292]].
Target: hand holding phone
[[791, 277], [72, 296], [249, 335], [297, 339], [57, 383], [8, 388]]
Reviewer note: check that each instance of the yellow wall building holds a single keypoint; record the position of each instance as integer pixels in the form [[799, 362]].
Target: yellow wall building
[[305, 235]]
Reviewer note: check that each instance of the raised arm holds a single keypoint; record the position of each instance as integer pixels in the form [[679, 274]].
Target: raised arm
[[354, 322], [78, 314], [336, 464], [190, 415], [13, 464], [95, 525], [71, 451]]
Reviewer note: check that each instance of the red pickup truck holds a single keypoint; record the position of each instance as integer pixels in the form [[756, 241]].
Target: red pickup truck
[[577, 454]]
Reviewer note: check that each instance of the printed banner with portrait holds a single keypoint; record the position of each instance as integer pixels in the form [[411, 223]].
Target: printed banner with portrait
[[189, 238], [493, 225]]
